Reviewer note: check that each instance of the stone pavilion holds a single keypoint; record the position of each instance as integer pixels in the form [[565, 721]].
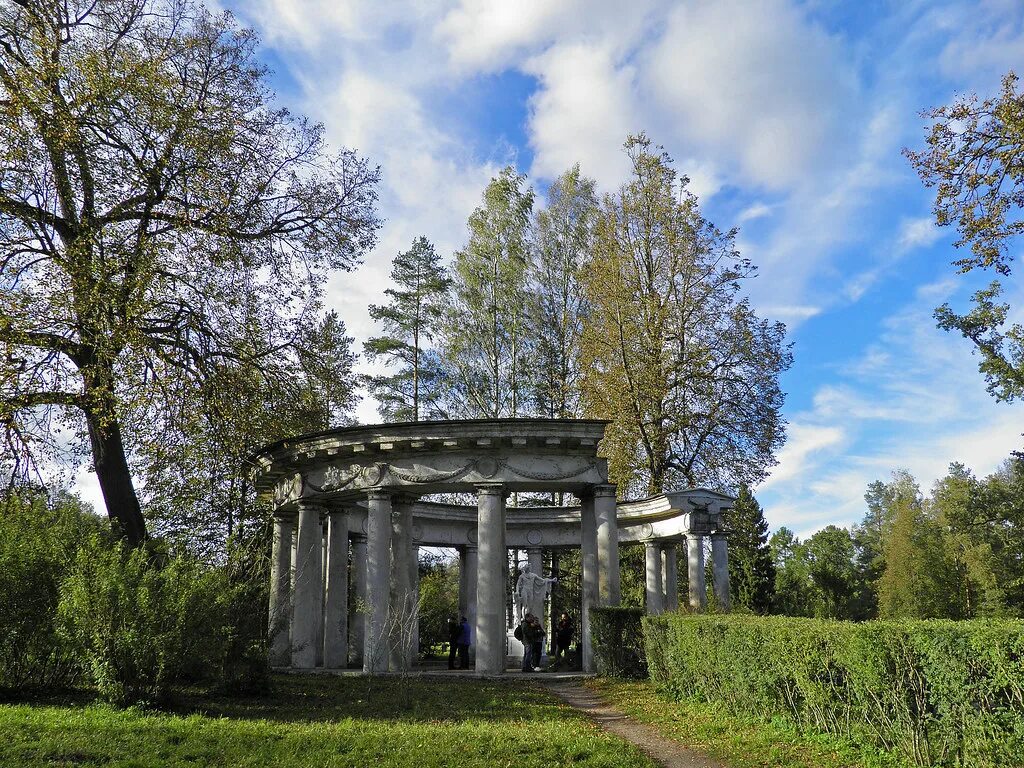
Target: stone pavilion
[[348, 508]]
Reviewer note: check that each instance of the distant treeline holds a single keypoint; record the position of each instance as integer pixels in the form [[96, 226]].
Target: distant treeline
[[954, 553]]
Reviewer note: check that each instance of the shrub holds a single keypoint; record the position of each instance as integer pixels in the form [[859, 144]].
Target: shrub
[[937, 692], [617, 637], [243, 666], [38, 541], [143, 624]]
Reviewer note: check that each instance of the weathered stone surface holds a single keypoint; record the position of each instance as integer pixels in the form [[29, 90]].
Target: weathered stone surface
[[360, 476]]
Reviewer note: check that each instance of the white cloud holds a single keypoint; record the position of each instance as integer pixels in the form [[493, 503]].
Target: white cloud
[[918, 233], [804, 444], [791, 314], [755, 211], [311, 25], [985, 39], [754, 82], [490, 35], [485, 34], [582, 113]]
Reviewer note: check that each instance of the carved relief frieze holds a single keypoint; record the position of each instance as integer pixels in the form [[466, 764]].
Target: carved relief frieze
[[287, 489], [430, 475], [701, 518], [442, 470], [558, 474]]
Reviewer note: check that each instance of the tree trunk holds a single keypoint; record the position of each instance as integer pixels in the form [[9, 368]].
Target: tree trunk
[[115, 479]]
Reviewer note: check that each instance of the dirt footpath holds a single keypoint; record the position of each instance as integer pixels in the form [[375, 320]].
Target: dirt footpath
[[664, 750]]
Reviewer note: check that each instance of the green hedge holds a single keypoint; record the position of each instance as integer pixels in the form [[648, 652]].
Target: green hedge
[[618, 642], [937, 692]]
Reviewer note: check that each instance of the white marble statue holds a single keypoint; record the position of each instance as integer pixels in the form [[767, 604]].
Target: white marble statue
[[531, 590]]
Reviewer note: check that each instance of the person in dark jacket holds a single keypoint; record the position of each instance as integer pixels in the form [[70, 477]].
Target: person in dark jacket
[[533, 641], [564, 631], [463, 643], [454, 630]]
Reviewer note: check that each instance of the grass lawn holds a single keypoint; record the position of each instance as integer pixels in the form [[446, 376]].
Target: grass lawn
[[320, 721], [740, 742]]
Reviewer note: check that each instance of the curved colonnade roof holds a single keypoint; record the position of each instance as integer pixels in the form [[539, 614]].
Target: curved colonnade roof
[[338, 467]]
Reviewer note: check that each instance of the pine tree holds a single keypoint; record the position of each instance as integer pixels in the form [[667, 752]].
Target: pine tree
[[751, 570], [833, 573], [411, 321]]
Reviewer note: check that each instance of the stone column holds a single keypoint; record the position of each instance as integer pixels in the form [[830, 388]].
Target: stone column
[[402, 610], [670, 577], [607, 544], [414, 598], [591, 587], [552, 605], [695, 571], [308, 618], [323, 588], [652, 562], [281, 593], [471, 561], [378, 567], [358, 643], [490, 585], [336, 602], [720, 570], [463, 583]]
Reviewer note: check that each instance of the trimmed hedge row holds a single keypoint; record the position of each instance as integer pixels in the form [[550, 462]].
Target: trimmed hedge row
[[938, 692], [618, 641]]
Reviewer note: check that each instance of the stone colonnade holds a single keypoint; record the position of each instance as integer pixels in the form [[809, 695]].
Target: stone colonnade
[[349, 519], [662, 574], [309, 606]]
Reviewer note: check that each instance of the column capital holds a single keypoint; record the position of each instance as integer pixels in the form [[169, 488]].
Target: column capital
[[378, 494], [315, 505], [718, 535], [691, 536], [604, 490], [651, 543], [490, 489]]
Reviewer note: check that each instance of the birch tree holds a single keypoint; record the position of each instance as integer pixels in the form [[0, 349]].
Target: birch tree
[[562, 237], [487, 341]]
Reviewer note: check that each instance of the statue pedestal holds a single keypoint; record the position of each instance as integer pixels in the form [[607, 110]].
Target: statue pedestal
[[513, 648]]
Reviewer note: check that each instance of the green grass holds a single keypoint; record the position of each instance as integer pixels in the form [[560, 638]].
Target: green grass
[[740, 742], [319, 721]]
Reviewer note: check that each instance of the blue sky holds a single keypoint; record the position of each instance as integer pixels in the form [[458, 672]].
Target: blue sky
[[789, 119]]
